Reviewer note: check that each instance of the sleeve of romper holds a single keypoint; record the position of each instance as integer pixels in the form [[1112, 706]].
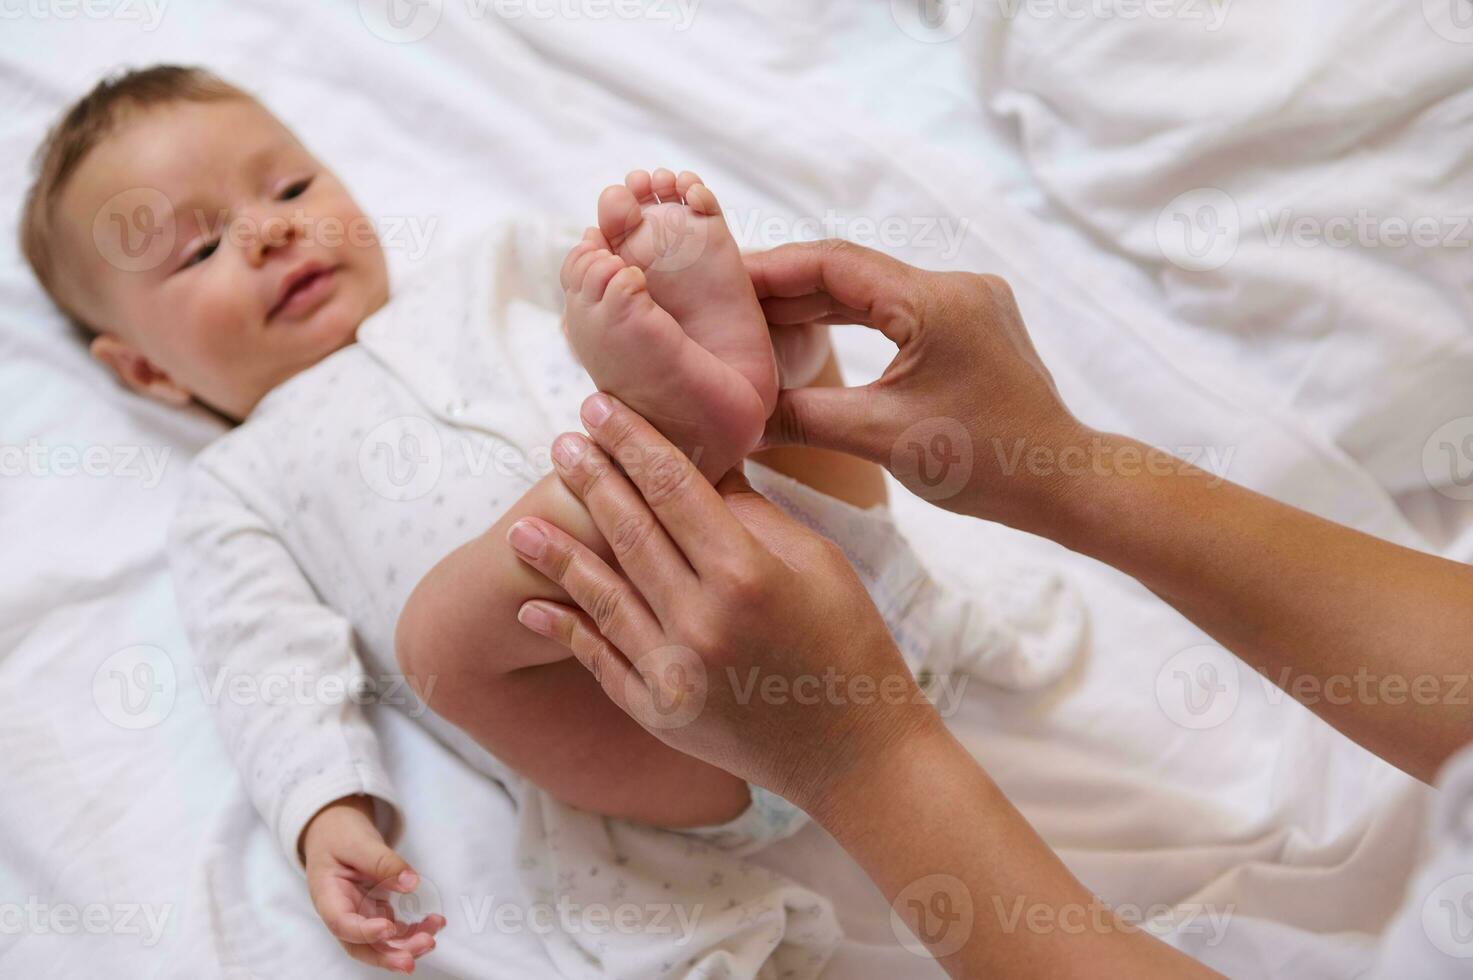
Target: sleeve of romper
[[278, 668]]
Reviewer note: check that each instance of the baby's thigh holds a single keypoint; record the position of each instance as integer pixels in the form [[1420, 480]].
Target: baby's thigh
[[524, 699], [554, 726]]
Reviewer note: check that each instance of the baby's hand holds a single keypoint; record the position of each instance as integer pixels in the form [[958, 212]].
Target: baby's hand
[[350, 871]]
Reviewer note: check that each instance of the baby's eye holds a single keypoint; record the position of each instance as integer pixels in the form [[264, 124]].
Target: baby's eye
[[296, 189], [200, 254]]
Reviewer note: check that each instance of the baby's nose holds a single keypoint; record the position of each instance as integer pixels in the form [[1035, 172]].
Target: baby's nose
[[275, 232]]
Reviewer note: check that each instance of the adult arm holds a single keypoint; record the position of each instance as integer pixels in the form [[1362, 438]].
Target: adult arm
[[728, 608], [1371, 636]]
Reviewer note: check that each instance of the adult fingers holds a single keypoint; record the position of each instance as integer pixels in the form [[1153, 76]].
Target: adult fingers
[[610, 667], [641, 546], [871, 287], [859, 421], [616, 610], [688, 508]]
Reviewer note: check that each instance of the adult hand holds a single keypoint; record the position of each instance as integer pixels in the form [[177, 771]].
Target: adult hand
[[731, 632], [721, 636], [964, 398]]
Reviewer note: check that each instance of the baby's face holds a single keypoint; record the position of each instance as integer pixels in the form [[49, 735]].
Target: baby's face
[[261, 265]]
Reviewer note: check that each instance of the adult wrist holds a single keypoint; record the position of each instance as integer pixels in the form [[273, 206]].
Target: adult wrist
[[876, 778], [1047, 478]]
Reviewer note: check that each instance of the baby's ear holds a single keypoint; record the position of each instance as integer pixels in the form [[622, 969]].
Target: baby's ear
[[137, 371]]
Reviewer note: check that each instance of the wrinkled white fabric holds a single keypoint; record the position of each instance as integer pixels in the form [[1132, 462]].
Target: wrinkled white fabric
[[1041, 150]]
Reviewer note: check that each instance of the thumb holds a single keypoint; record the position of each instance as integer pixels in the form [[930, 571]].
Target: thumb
[[849, 420], [368, 853]]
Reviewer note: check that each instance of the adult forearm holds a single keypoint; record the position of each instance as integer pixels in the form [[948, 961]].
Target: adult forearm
[[971, 878], [1373, 637]]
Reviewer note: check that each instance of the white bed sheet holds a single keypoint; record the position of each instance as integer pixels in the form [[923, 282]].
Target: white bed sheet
[[1010, 139]]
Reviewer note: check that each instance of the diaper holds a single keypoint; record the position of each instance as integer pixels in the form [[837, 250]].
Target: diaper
[[767, 819]]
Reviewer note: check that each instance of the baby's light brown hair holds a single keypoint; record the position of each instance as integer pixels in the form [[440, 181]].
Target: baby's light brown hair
[[79, 131]]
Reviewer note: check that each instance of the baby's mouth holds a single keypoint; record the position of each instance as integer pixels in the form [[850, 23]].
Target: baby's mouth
[[303, 291]]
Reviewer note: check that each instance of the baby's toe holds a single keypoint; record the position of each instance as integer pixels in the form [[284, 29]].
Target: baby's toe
[[618, 214], [578, 266], [663, 184], [638, 182], [698, 198], [686, 181], [603, 268], [575, 254]]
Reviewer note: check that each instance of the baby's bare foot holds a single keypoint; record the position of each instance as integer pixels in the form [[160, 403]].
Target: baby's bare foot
[[671, 227], [636, 350]]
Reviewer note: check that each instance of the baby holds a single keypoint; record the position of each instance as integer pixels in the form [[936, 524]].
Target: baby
[[349, 524]]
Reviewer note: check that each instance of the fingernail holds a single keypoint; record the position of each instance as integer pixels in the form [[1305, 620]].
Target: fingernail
[[408, 880], [568, 448], [597, 409], [535, 618], [527, 539]]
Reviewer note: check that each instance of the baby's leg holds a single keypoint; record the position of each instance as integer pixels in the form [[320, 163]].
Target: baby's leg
[[526, 701]]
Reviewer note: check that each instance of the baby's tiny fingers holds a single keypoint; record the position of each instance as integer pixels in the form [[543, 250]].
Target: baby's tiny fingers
[[395, 960], [342, 913], [415, 944]]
